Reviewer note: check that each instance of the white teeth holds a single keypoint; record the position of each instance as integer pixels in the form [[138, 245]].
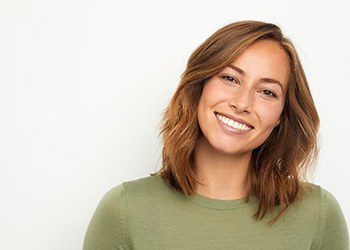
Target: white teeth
[[233, 124], [230, 123]]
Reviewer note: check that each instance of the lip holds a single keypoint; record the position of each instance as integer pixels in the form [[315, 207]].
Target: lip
[[234, 118]]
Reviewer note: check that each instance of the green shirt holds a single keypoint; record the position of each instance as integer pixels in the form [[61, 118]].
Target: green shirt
[[150, 214]]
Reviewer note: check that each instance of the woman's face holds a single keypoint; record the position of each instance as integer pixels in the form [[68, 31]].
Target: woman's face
[[240, 106]]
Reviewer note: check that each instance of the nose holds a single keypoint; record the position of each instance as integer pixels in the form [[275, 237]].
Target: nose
[[241, 100]]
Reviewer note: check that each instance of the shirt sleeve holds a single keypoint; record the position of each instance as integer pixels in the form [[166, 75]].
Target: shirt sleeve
[[106, 229], [334, 233]]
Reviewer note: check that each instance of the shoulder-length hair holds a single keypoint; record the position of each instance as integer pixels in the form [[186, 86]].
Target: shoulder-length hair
[[279, 165]]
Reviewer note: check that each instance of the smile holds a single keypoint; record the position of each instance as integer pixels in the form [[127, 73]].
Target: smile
[[232, 123]]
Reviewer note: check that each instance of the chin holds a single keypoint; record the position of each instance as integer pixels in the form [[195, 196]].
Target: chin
[[232, 151]]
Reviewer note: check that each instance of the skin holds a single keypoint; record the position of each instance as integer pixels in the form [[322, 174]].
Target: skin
[[252, 91]]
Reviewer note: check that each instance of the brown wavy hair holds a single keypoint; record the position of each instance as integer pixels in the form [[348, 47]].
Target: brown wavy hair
[[278, 167]]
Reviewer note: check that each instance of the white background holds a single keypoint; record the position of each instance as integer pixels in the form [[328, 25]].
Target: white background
[[83, 85]]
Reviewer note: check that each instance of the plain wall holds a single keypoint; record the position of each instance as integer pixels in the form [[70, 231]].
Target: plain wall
[[83, 85]]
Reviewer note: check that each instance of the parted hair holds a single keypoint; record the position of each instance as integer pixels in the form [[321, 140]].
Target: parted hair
[[278, 167]]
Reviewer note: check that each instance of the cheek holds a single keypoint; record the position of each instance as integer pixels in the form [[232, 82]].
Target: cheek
[[270, 116], [208, 98], [201, 111], [214, 93]]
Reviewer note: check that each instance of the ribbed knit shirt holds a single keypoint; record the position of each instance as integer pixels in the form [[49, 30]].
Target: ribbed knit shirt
[[150, 214]]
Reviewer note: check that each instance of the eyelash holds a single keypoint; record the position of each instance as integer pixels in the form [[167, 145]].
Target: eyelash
[[268, 93], [231, 79], [265, 92]]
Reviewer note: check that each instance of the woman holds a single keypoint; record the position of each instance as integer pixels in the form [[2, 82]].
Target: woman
[[239, 135]]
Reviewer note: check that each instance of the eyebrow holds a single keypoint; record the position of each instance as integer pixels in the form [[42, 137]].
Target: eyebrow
[[241, 71], [266, 79]]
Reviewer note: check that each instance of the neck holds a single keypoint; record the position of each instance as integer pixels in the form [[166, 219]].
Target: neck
[[221, 176]]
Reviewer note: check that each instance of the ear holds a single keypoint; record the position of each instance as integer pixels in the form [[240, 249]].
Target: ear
[[277, 123]]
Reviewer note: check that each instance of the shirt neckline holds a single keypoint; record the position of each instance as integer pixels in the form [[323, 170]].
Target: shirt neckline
[[220, 204]]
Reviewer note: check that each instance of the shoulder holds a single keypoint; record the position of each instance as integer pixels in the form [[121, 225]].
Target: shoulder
[[119, 208], [115, 201], [315, 195], [321, 201], [107, 225], [149, 189], [145, 184], [332, 229], [146, 189]]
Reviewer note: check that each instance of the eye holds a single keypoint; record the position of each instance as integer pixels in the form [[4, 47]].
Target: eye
[[230, 79], [268, 93]]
